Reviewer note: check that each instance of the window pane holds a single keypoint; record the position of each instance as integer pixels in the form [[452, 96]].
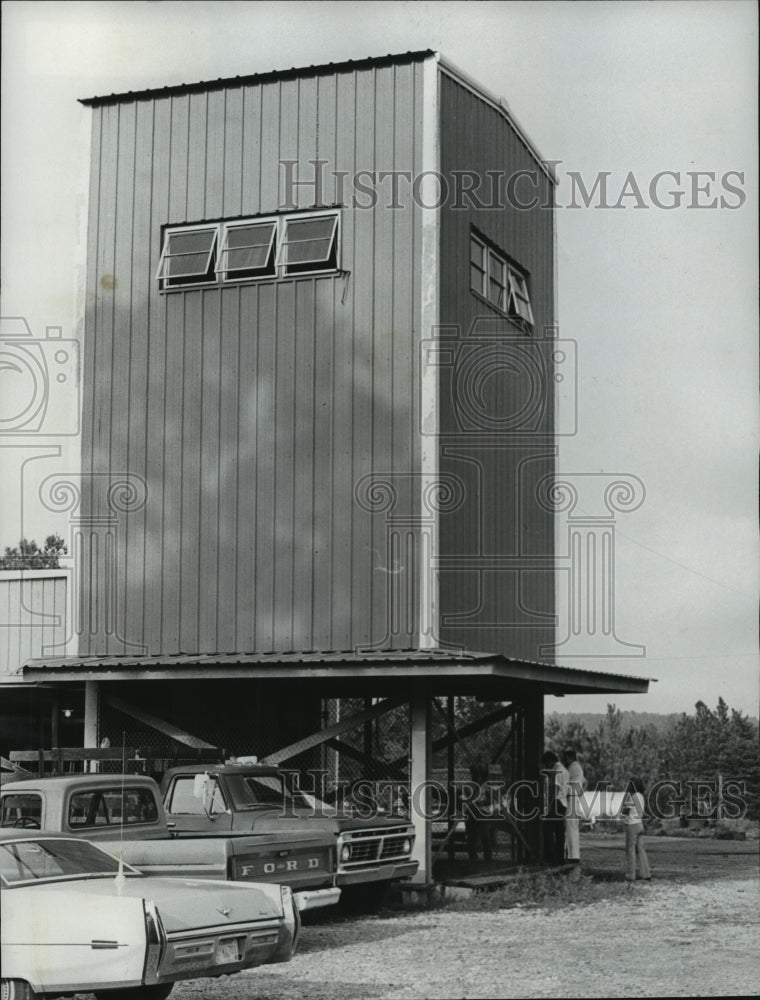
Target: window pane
[[28, 860], [248, 249], [185, 266], [519, 298], [496, 293], [245, 258], [199, 240], [309, 229], [476, 279], [87, 809], [188, 254], [308, 241], [250, 236], [308, 251], [17, 808], [477, 254], [498, 269]]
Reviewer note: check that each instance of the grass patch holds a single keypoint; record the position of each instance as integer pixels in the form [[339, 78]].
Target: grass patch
[[542, 890]]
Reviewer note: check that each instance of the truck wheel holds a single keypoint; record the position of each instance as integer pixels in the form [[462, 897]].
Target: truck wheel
[[158, 992], [16, 989]]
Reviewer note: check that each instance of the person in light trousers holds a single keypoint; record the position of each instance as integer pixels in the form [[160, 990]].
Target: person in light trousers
[[633, 814], [576, 786]]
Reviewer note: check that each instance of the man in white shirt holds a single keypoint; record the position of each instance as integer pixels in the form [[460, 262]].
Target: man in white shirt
[[576, 785]]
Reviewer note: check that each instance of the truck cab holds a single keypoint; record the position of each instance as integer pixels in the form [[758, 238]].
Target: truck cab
[[245, 798]]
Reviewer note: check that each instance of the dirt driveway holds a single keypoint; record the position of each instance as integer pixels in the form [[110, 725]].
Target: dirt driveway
[[692, 931]]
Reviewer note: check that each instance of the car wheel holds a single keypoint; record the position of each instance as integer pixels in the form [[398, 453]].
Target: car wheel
[[16, 989], [158, 992]]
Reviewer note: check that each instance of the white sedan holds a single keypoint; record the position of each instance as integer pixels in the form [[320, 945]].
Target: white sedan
[[76, 921]]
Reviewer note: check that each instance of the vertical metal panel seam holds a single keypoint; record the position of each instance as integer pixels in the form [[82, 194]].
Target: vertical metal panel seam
[[91, 339], [147, 374], [204, 182], [373, 356], [180, 534], [243, 119], [196, 587], [293, 453], [275, 383], [337, 309], [224, 149], [429, 602], [313, 525], [256, 479], [352, 437]]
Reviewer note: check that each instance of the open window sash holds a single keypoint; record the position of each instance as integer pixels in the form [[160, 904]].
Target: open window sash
[[308, 241], [247, 250], [188, 254]]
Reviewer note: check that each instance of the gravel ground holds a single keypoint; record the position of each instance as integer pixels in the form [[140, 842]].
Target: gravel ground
[[692, 931]]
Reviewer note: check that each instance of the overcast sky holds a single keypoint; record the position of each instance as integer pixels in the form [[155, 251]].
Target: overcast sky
[[661, 301]]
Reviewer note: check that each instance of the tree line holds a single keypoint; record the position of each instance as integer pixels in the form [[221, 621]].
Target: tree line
[[709, 745]]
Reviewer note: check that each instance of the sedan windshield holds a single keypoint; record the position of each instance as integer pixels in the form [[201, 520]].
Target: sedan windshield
[[24, 861]]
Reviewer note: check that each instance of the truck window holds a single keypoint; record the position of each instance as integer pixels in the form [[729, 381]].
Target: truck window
[[22, 810], [103, 807], [183, 800]]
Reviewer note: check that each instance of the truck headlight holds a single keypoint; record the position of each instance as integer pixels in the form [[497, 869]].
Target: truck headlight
[[345, 853], [407, 846]]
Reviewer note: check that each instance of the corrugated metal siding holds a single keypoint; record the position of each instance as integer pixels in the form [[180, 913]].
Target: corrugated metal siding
[[252, 411], [501, 593], [32, 618]]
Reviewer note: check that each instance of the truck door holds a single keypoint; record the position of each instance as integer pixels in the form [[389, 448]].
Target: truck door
[[195, 803]]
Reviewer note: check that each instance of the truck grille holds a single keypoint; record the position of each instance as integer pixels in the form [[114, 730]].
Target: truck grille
[[373, 847], [365, 850], [392, 847]]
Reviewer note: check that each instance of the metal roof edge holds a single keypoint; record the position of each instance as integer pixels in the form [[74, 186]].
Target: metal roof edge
[[268, 76], [500, 105], [307, 659]]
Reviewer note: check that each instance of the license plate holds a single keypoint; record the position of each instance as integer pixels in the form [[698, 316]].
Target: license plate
[[227, 952]]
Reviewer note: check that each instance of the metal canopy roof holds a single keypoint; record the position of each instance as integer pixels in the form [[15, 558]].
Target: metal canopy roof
[[441, 669]]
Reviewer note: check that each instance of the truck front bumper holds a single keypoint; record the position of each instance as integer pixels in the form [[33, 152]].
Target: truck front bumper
[[312, 899], [385, 873]]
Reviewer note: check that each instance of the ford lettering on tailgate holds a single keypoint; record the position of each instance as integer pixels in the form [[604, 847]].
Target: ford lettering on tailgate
[[261, 868]]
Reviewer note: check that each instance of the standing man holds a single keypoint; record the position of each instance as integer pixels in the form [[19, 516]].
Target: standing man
[[576, 785], [554, 808]]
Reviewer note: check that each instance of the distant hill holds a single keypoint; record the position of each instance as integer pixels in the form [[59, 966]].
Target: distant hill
[[630, 720]]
